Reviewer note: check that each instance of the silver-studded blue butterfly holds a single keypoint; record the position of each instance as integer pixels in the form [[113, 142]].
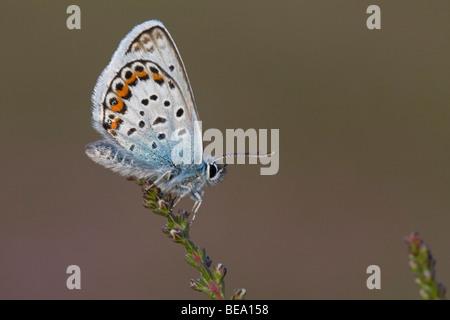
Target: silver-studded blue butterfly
[[143, 106]]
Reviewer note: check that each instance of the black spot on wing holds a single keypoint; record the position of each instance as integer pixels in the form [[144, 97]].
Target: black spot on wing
[[154, 70], [159, 120]]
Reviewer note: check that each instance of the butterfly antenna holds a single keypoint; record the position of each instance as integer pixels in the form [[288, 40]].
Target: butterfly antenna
[[249, 155]]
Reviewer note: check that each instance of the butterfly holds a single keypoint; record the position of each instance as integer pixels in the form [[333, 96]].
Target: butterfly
[[144, 108]]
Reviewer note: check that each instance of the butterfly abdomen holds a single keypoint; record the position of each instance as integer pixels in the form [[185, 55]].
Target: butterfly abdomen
[[119, 160]]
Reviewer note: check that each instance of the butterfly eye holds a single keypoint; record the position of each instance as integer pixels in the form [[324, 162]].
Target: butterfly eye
[[216, 173], [212, 170]]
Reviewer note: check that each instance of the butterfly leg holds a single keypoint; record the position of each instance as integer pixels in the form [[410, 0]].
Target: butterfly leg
[[196, 196], [197, 204], [181, 196], [168, 172]]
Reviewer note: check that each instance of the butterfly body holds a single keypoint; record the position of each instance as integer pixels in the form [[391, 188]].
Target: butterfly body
[[143, 106]]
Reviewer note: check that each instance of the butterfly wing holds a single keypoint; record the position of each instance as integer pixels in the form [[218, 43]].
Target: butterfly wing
[[143, 102]]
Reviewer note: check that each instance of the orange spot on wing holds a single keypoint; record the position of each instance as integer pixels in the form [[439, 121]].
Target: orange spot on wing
[[141, 74], [115, 124], [123, 92], [157, 76], [118, 106], [131, 79]]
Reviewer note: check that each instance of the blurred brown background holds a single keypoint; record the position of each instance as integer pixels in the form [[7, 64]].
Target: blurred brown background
[[364, 149]]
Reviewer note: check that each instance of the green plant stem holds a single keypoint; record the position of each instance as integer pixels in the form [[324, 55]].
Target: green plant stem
[[211, 280]]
